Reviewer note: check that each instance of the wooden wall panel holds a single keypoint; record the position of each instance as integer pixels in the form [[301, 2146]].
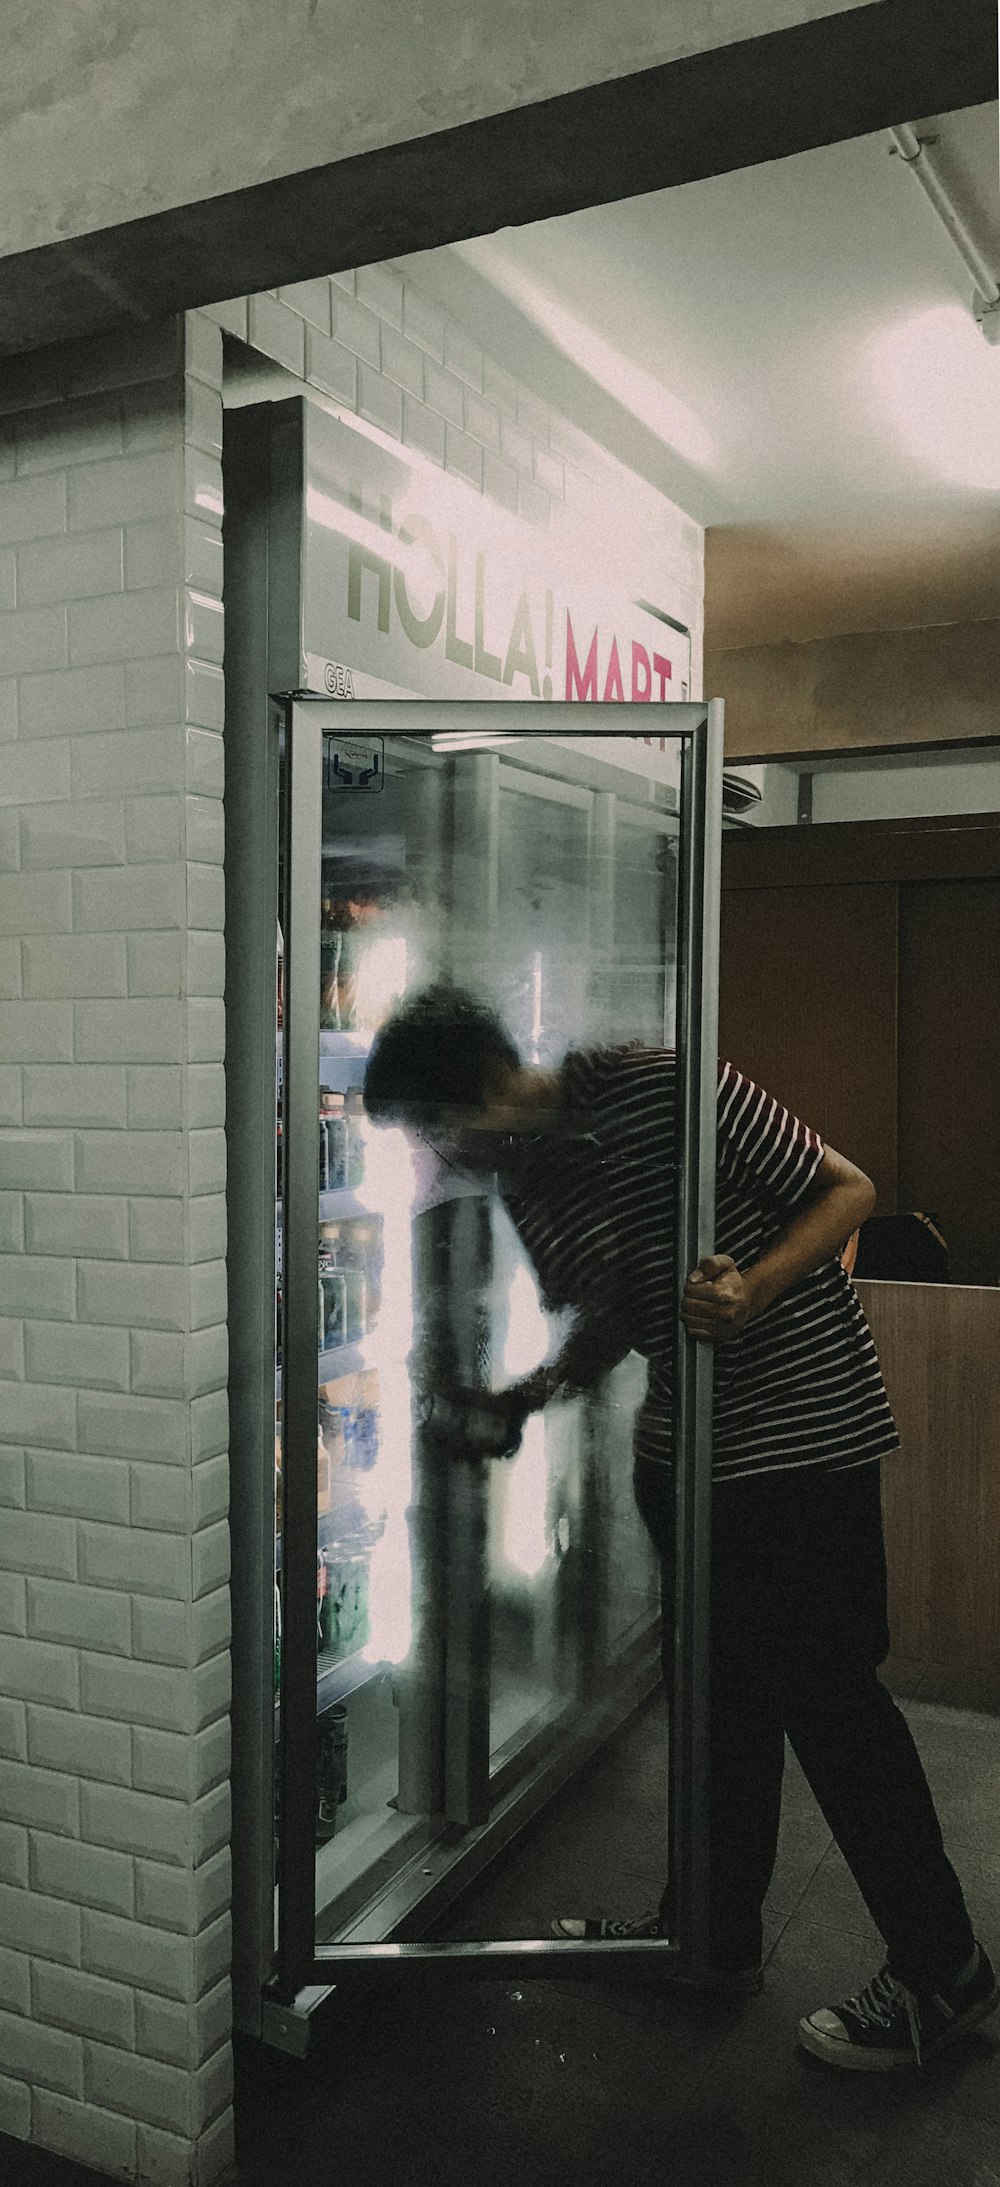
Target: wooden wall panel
[[861, 692], [939, 1346], [807, 1006], [949, 1067]]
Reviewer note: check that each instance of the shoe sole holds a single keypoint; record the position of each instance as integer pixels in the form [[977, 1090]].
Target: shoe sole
[[851, 2058]]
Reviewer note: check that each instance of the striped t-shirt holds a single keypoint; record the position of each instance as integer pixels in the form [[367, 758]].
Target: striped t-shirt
[[595, 1208]]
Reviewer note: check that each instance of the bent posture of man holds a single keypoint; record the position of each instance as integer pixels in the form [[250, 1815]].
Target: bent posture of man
[[585, 1159]]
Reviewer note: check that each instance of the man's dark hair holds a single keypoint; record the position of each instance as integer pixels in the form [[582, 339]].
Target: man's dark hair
[[438, 1050]]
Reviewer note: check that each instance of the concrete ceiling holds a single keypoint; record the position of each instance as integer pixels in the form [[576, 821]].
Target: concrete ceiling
[[734, 341]]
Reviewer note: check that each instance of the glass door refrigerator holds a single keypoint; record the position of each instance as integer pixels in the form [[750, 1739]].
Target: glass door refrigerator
[[428, 1643]]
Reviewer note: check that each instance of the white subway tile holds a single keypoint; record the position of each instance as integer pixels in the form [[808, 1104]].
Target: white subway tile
[[156, 1091], [203, 347], [210, 1559], [499, 481], [206, 1024], [13, 1857], [216, 2147], [163, 2030], [85, 833], [128, 898], [69, 569], [138, 762], [84, 1358], [36, 1541], [15, 1983], [153, 692], [147, 1564], [12, 1479], [161, 1498], [332, 367], [165, 1897], [422, 321], [138, 1031], [380, 401], [72, 701], [137, 1821], [37, 1415], [98, 2139], [212, 1625], [212, 1955], [206, 768], [88, 1875], [35, 772], [36, 903], [44, 2056], [156, 1230], [278, 332], [158, 1363], [155, 964], [443, 393], [42, 1926], [204, 626], [154, 829], [76, 1486], [59, 1223], [8, 710], [213, 1686], [213, 1868], [79, 1617], [204, 703], [463, 456], [35, 1158], [210, 1490], [39, 1797], [205, 832], [206, 977], [131, 1953], [161, 1633], [159, 2095], [11, 1355], [203, 416], [13, 1730], [83, 1093], [43, 1286], [72, 966], [207, 1370], [423, 429], [231, 316], [203, 495], [207, 1228], [13, 1601], [10, 840], [211, 1757], [127, 1161], [132, 1427], [153, 553], [83, 1745], [123, 491], [206, 895], [32, 639], [310, 299], [124, 626], [11, 986], [206, 1162], [32, 508], [206, 1100], [208, 1294], [8, 573]]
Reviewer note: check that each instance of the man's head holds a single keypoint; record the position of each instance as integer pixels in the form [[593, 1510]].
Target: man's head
[[440, 1052]]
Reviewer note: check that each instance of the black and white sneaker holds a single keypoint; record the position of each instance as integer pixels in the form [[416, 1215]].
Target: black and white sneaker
[[886, 2025], [575, 1931], [735, 1981]]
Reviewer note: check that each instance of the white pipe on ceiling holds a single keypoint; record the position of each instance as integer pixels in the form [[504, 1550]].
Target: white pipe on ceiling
[[918, 156]]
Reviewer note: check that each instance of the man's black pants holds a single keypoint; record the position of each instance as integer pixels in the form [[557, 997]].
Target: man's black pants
[[799, 1626]]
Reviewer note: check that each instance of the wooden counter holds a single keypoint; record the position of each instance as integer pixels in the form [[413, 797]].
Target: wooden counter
[[939, 1348]]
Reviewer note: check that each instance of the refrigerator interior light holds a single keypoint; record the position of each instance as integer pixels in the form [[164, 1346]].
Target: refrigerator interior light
[[466, 740]]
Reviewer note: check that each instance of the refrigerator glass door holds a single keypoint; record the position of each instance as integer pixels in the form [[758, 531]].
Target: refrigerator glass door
[[463, 1616]]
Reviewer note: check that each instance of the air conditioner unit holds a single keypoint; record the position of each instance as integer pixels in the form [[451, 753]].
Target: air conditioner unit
[[742, 787]]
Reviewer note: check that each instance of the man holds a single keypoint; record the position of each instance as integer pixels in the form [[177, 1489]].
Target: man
[[585, 1159]]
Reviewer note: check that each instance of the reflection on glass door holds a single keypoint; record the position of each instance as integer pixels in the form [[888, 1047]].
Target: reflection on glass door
[[467, 1613]]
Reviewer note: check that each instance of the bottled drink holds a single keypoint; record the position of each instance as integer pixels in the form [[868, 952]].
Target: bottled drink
[[331, 1770], [355, 1115]]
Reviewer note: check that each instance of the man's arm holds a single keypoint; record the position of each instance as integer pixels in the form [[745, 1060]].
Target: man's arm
[[719, 1300]]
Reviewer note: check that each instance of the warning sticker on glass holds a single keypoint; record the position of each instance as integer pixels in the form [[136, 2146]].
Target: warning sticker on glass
[[353, 763]]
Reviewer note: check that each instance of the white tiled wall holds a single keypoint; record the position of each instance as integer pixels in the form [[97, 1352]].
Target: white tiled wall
[[114, 1607], [383, 352]]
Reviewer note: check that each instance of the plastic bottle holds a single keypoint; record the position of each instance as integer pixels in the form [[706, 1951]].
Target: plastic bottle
[[355, 1113]]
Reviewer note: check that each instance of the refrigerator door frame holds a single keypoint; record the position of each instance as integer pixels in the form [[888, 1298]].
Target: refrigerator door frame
[[301, 1965]]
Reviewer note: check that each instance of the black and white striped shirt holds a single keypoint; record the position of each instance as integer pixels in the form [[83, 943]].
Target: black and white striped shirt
[[595, 1207]]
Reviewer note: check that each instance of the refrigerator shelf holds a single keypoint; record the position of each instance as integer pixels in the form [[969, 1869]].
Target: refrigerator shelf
[[349, 1359], [339, 1681], [344, 1205]]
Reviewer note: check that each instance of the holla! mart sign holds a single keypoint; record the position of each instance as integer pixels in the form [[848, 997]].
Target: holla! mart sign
[[411, 584]]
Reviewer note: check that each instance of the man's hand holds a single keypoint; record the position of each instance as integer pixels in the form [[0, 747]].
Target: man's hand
[[478, 1423], [717, 1300]]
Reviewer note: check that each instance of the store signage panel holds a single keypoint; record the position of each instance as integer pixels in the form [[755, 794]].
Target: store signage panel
[[414, 585]]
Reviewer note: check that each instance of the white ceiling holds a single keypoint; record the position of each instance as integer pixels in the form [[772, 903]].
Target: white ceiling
[[741, 316]]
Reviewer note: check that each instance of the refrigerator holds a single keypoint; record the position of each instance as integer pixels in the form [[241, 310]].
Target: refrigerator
[[429, 1643]]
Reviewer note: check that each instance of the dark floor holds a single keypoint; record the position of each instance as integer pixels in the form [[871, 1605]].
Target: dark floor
[[623, 2086]]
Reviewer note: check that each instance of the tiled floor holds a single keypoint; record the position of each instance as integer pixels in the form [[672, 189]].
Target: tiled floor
[[623, 2086]]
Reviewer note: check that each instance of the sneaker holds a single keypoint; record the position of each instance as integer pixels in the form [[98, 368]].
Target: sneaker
[[886, 2025], [735, 1981]]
